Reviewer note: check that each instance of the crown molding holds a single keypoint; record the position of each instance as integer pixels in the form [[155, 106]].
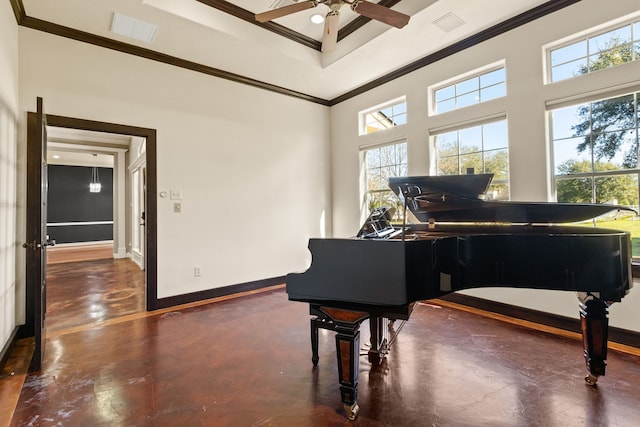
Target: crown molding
[[531, 15]]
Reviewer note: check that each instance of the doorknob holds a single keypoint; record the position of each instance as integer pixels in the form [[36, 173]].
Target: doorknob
[[33, 245], [37, 245]]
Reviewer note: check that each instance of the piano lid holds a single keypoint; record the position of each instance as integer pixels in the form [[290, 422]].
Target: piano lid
[[458, 198]]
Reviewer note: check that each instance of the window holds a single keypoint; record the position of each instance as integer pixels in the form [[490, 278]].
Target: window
[[383, 117], [380, 164], [595, 157], [478, 149], [595, 52], [479, 88]]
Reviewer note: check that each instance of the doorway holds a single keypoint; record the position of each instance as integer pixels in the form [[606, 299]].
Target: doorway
[[36, 189], [145, 193], [95, 271]]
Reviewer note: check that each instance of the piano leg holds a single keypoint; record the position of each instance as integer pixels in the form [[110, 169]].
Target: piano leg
[[594, 320], [314, 342], [348, 351], [346, 323]]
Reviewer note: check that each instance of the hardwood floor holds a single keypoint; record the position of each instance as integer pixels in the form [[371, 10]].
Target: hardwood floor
[[245, 361], [63, 254], [93, 291]]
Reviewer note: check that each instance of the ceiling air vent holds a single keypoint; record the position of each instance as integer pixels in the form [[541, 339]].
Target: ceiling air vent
[[448, 22], [133, 28]]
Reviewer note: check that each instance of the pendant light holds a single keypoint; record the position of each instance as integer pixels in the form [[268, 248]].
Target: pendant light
[[94, 185]]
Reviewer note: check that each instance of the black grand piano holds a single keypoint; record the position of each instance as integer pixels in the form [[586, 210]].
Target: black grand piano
[[461, 241]]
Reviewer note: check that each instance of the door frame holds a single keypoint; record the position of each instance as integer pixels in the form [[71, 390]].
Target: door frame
[[151, 262]]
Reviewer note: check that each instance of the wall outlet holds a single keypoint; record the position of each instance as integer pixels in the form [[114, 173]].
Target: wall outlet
[[196, 272], [177, 207]]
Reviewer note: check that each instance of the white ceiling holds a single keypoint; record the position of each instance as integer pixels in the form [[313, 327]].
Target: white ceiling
[[83, 147], [194, 31]]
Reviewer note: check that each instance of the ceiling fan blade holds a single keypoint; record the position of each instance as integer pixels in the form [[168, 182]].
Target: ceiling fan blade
[[331, 26], [380, 13], [286, 10]]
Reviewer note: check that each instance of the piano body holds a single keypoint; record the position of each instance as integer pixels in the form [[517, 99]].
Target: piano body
[[460, 242]]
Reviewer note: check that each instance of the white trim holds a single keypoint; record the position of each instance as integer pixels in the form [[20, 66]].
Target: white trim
[[594, 95], [476, 121], [64, 224]]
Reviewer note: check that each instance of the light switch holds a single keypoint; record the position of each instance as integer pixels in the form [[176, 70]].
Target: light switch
[[176, 194], [177, 207]]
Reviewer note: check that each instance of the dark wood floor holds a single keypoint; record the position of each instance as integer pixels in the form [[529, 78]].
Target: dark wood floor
[[85, 292], [246, 362]]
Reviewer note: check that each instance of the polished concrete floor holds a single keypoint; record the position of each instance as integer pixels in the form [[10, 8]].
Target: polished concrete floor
[[246, 362]]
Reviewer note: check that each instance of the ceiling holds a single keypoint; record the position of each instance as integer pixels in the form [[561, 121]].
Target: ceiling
[[83, 147], [223, 36]]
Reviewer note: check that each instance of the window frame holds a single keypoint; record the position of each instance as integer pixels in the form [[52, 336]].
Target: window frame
[[632, 20], [434, 133], [362, 115], [462, 78], [365, 208]]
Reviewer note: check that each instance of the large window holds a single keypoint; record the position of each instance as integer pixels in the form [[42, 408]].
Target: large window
[[595, 157], [381, 163], [478, 149], [391, 114], [481, 87], [595, 52]]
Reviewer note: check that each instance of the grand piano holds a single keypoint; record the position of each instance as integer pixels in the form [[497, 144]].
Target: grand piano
[[460, 241]]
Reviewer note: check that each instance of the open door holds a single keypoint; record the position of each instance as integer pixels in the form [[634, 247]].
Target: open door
[[36, 233]]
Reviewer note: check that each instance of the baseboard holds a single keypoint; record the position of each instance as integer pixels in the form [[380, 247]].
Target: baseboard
[[618, 335], [217, 292], [8, 347]]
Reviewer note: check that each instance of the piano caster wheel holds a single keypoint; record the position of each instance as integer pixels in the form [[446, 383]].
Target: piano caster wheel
[[352, 410], [591, 379]]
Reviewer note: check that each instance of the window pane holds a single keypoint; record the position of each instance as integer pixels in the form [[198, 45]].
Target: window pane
[[568, 157], [399, 108], [471, 163], [468, 99], [494, 135], [372, 159], [605, 41], [569, 70], [384, 118], [470, 139], [613, 151], [617, 190], [498, 191], [400, 119], [574, 190], [448, 166], [497, 163], [493, 92], [474, 157], [445, 93], [466, 86], [444, 106], [492, 78], [401, 154], [569, 53], [564, 120]]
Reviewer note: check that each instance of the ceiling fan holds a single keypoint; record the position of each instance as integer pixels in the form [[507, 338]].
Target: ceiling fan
[[332, 20]]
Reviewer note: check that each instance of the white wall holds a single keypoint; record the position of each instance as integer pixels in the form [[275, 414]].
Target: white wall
[[8, 169], [525, 110], [252, 165]]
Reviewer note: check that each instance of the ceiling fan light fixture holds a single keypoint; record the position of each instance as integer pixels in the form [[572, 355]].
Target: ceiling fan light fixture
[[331, 27], [317, 18]]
